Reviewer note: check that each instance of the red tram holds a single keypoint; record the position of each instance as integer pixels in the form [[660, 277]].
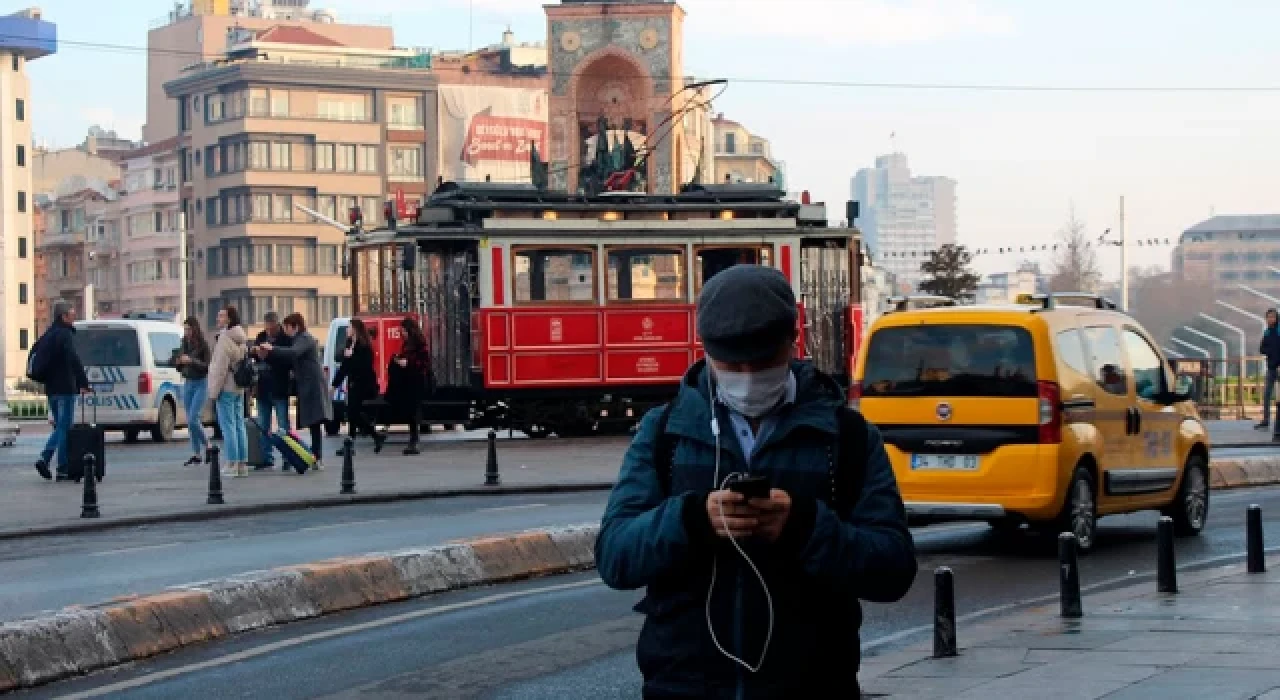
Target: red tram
[[548, 312]]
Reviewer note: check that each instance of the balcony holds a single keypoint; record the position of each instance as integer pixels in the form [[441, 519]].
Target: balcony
[[60, 239]]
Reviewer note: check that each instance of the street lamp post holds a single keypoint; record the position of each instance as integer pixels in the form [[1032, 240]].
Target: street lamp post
[[1242, 312], [1172, 353], [1197, 348], [1243, 340], [1255, 292]]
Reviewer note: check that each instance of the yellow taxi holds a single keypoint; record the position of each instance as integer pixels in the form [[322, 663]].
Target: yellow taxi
[[1052, 412]]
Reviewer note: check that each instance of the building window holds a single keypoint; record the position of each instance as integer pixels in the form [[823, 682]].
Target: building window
[[405, 161], [404, 112], [261, 207], [20, 110], [24, 338], [372, 211], [22, 247], [22, 156], [184, 116], [324, 156], [17, 62], [327, 260], [730, 142], [22, 292], [346, 108], [327, 205], [22, 202], [368, 159], [284, 259], [259, 103], [211, 212], [281, 156], [283, 210], [259, 155], [279, 103], [346, 158]]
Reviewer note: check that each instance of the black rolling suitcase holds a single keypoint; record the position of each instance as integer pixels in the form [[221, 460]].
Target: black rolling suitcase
[[86, 438]]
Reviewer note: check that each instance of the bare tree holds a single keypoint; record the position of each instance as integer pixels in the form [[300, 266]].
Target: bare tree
[[1074, 267]]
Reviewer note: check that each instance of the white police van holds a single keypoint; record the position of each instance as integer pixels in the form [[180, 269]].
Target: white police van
[[335, 342], [130, 365]]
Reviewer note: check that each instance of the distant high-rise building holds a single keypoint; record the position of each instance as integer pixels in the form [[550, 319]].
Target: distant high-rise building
[[903, 218], [24, 36]]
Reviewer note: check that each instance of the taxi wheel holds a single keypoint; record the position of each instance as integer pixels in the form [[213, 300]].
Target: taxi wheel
[[1080, 512], [1190, 510], [165, 422]]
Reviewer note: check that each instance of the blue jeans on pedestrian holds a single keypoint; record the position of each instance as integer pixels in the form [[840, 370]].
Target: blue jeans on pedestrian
[[194, 393], [62, 409], [1268, 393], [280, 407], [235, 443]]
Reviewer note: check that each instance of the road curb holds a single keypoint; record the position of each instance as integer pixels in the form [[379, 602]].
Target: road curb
[[80, 640], [1244, 473], [217, 512]]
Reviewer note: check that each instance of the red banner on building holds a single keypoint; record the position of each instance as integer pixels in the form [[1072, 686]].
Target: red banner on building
[[502, 138]]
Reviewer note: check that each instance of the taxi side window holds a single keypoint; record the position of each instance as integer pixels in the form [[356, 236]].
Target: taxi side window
[[1071, 351], [1108, 358], [1148, 371], [165, 348]]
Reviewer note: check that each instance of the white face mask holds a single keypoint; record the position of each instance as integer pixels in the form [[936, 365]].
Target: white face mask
[[753, 394]]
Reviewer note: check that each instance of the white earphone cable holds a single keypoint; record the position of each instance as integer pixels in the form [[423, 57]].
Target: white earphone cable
[[715, 430]]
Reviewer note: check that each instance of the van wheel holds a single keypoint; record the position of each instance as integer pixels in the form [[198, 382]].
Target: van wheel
[[165, 422], [1080, 511], [1190, 509], [131, 435]]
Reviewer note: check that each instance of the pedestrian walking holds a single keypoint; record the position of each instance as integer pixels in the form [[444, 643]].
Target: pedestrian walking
[[758, 510], [228, 353], [356, 368], [1269, 347], [193, 363], [303, 352], [409, 380], [54, 362], [275, 386]]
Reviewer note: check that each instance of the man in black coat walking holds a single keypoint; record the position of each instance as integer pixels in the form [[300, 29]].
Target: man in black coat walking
[[273, 390], [55, 363]]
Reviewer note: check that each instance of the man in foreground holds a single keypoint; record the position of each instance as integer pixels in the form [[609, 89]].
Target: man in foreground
[[754, 588]]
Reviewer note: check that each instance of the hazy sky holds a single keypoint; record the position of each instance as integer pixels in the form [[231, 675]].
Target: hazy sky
[[1020, 157]]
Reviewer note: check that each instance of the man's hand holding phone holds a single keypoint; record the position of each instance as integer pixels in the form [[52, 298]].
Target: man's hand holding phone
[[748, 507]]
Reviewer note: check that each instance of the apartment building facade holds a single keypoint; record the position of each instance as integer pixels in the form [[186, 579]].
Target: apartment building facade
[[264, 137], [742, 156], [139, 251], [73, 225], [1228, 256]]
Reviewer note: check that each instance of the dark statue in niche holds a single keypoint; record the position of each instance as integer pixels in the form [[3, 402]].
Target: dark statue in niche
[[613, 166]]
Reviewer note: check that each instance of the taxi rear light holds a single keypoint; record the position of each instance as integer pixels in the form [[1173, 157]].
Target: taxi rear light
[[144, 383], [855, 396], [1050, 412]]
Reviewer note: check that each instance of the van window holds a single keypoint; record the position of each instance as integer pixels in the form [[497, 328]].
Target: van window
[[117, 347], [339, 343], [165, 348], [959, 360], [1071, 351], [1148, 371], [1108, 358]]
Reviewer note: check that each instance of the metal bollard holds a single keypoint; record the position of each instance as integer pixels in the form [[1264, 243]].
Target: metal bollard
[[215, 477], [1069, 576], [1166, 562], [944, 613], [1253, 535], [348, 466], [491, 476], [89, 507]]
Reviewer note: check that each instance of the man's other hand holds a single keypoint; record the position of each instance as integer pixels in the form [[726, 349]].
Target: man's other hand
[[771, 514]]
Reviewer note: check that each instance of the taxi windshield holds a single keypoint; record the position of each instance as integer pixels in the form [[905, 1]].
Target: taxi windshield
[[115, 347], [950, 360]]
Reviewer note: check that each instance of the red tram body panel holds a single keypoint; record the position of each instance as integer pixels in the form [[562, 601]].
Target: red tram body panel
[[556, 313]]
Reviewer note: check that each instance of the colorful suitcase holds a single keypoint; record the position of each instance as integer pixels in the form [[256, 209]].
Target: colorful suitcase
[[294, 452]]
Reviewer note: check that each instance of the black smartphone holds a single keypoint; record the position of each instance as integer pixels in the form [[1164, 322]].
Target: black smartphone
[[750, 486]]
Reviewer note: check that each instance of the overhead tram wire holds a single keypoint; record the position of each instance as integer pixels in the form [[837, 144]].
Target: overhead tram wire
[[794, 82]]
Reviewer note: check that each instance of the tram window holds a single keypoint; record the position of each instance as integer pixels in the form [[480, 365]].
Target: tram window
[[711, 260], [646, 274], [554, 274]]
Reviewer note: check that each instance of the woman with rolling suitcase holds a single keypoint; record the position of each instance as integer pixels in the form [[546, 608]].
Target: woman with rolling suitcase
[[314, 408]]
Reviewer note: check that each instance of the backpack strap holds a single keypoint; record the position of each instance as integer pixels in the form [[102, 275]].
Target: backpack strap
[[849, 463], [664, 451]]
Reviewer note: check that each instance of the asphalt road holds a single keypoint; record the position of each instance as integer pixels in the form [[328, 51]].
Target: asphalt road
[[569, 637]]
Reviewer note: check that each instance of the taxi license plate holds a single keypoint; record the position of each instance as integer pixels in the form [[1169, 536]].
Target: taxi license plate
[[945, 462]]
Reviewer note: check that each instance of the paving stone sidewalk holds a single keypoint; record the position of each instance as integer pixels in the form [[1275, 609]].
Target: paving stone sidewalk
[[158, 491], [1219, 639]]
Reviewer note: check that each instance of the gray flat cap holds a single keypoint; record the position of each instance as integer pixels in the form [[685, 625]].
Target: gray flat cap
[[746, 314]]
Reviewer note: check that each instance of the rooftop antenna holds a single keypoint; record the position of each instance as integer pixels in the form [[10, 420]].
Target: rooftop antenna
[[893, 142]]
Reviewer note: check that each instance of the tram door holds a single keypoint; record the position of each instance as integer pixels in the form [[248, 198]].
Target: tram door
[[448, 296], [827, 285]]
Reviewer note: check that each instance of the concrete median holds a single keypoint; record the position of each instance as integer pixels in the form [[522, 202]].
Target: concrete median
[[1243, 473], [80, 640]]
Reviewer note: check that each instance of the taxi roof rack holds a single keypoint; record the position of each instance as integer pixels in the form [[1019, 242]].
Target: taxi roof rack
[[1050, 301], [919, 301]]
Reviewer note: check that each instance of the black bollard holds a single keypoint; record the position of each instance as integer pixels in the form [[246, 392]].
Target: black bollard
[[1253, 535], [491, 476], [1069, 576], [1166, 563], [215, 478], [944, 613], [348, 466], [89, 508]]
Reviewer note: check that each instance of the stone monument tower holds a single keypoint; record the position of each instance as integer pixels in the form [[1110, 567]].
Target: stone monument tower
[[619, 63]]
